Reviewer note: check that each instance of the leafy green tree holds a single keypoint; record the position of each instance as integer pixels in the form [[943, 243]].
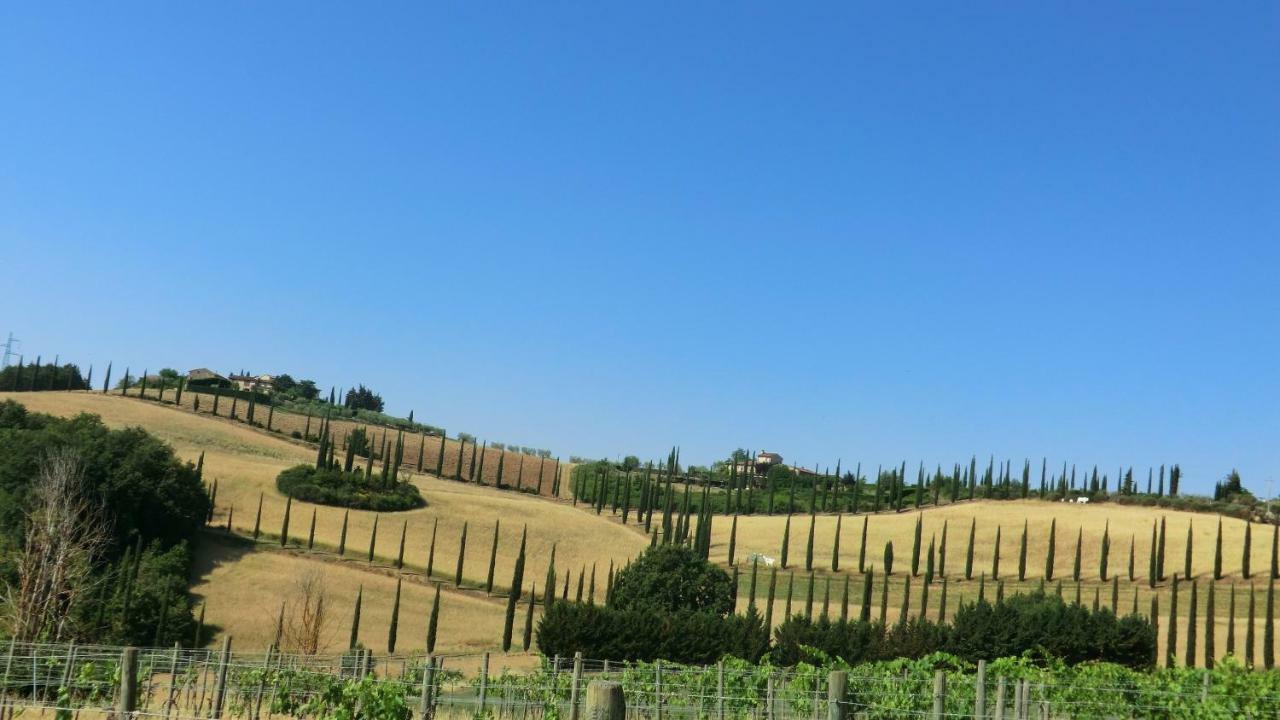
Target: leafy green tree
[[672, 578]]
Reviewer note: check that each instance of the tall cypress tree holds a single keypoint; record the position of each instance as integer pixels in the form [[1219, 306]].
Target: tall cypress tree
[[355, 618], [1186, 561], [995, 557], [1131, 548], [1022, 553], [942, 551], [905, 612], [257, 520], [1051, 550], [862, 546], [1104, 558], [835, 544], [968, 556], [773, 586], [1269, 627], [462, 554], [888, 558], [493, 558], [1275, 551], [1189, 656], [786, 541], [373, 537], [1075, 567], [342, 536], [884, 599], [1171, 639], [1231, 621], [284, 525], [1153, 568], [808, 548], [1160, 546], [733, 538], [394, 627], [1249, 629], [1246, 552], [433, 623], [1210, 620], [915, 545], [431, 552], [791, 589], [868, 581], [513, 595]]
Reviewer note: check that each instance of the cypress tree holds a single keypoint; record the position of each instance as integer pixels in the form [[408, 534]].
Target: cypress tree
[[915, 545], [355, 618], [1152, 569], [968, 556], [929, 563], [1075, 567], [493, 558], [433, 622], [1210, 620], [982, 587], [462, 554], [1247, 552], [1217, 552], [733, 538], [1131, 542], [394, 627], [106, 384], [440, 456], [373, 537], [808, 599], [311, 534], [422, 446], [1186, 561], [1022, 553], [942, 551], [1105, 557], [905, 612], [942, 601], [513, 595], [862, 546], [342, 536], [404, 529], [1160, 551], [786, 541], [751, 586], [1275, 551], [549, 591], [1189, 657], [835, 544], [844, 601], [582, 575], [888, 558], [1154, 617], [808, 549], [1115, 595], [591, 590], [995, 557], [257, 521], [284, 525]]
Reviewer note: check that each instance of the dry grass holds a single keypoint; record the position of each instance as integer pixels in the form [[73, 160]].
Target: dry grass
[[245, 462]]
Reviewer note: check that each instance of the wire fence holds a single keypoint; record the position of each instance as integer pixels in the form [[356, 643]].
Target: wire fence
[[71, 682]]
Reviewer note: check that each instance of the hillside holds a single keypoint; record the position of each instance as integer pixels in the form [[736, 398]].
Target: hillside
[[244, 583], [244, 589]]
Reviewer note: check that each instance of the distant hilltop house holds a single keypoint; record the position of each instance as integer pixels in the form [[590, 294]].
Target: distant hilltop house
[[206, 379], [253, 383], [760, 466]]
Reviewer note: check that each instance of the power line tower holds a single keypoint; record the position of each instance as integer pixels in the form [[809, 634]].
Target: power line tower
[[8, 350]]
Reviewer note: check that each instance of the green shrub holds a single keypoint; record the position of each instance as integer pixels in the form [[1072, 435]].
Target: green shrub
[[647, 634], [672, 578], [351, 490]]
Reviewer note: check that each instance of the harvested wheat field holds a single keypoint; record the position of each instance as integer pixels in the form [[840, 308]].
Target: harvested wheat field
[[1126, 524]]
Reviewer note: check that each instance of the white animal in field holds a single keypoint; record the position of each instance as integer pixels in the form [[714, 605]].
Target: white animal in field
[[762, 559], [1082, 501]]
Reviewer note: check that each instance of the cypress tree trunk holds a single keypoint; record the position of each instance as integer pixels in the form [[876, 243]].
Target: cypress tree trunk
[[394, 627], [433, 623], [968, 556], [493, 558], [355, 619], [462, 554]]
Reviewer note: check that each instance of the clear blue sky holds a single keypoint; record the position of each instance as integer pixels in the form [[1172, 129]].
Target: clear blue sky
[[869, 232]]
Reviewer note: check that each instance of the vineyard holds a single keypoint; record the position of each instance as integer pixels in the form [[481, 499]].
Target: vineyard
[[184, 683]]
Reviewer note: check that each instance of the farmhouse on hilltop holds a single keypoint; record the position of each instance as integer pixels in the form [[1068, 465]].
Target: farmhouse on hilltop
[[206, 379], [254, 383]]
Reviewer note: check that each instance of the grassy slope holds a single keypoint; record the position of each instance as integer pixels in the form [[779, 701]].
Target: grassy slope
[[244, 591]]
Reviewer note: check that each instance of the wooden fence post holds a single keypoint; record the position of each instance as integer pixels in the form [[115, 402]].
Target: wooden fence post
[[657, 690], [720, 690], [980, 691], [128, 699], [1001, 690], [605, 701], [573, 689], [428, 678], [837, 686], [939, 694], [484, 681], [220, 686]]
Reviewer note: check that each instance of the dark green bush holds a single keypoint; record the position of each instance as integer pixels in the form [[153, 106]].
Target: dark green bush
[[647, 634], [351, 490], [672, 578]]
